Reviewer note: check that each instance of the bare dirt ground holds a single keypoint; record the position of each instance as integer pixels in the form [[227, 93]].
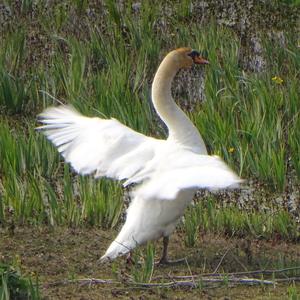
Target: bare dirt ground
[[58, 254]]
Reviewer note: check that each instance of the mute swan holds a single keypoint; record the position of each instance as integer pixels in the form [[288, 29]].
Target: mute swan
[[168, 172]]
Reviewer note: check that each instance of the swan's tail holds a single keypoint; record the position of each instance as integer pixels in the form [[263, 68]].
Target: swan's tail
[[114, 250], [131, 234]]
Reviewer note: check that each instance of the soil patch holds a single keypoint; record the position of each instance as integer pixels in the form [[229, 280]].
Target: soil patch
[[64, 253]]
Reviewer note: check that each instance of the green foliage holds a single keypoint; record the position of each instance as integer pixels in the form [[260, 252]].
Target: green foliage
[[292, 292], [33, 183], [143, 265], [191, 225], [290, 2], [252, 114], [104, 68], [13, 285], [209, 216]]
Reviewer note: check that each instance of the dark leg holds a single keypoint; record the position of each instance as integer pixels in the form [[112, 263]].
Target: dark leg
[[129, 260], [164, 258]]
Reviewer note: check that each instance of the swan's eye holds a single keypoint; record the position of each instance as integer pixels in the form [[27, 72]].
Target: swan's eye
[[197, 58], [194, 54]]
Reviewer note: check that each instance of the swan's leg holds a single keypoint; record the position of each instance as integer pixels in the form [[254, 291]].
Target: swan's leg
[[129, 260], [164, 258]]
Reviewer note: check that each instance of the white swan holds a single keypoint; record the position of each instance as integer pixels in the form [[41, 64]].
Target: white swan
[[168, 171]]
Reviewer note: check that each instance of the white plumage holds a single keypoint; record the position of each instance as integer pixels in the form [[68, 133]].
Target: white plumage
[[168, 171]]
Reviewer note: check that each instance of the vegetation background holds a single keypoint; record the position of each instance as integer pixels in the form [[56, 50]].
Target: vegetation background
[[100, 56]]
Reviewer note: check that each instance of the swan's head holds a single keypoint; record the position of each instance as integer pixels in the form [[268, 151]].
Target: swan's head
[[186, 57]]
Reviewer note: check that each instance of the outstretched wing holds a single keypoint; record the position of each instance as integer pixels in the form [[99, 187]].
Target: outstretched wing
[[187, 171], [96, 146]]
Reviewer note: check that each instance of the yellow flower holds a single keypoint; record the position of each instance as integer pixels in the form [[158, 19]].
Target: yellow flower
[[277, 79], [231, 150], [17, 259]]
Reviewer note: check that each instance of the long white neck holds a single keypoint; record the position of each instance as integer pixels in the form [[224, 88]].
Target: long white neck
[[181, 129]]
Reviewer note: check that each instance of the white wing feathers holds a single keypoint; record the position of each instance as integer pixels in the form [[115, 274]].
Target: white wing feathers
[[108, 148], [194, 172], [96, 146]]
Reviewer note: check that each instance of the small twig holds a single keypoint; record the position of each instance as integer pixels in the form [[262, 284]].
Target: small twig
[[90, 281], [247, 273], [240, 263], [191, 283], [190, 280], [173, 283], [266, 272], [52, 97], [186, 261], [82, 281], [221, 260], [290, 279]]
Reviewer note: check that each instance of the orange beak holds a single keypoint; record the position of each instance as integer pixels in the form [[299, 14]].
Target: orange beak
[[200, 60]]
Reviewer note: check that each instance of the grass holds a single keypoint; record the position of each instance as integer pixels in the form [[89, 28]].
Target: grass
[[292, 292], [103, 64], [104, 67], [208, 215], [143, 265], [14, 285]]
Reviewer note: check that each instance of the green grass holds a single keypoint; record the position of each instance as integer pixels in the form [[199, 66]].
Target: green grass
[[104, 67], [14, 285], [143, 264], [292, 292], [209, 216]]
